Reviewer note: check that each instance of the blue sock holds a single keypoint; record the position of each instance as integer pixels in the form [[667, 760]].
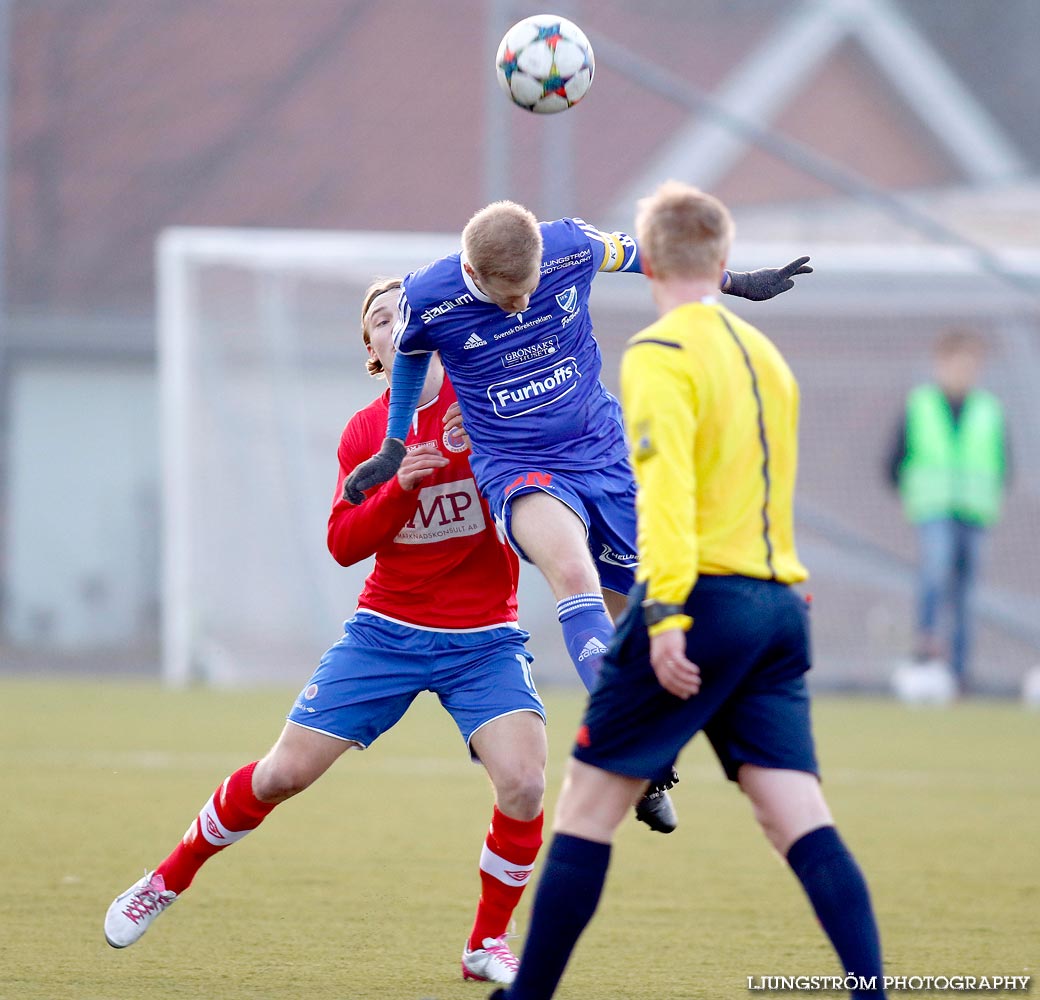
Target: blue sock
[[839, 895], [587, 631], [568, 893]]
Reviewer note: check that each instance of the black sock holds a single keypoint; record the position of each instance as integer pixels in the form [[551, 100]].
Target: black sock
[[568, 893], [839, 895]]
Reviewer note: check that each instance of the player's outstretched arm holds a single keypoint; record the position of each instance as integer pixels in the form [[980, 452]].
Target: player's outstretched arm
[[407, 380], [375, 471], [765, 282]]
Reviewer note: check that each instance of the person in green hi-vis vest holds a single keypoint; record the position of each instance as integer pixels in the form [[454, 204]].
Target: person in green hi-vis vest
[[950, 461]]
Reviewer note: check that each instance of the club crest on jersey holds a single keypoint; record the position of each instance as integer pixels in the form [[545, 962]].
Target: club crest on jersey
[[454, 440], [568, 300], [531, 391]]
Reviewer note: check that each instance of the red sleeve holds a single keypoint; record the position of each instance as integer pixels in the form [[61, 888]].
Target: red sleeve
[[355, 533]]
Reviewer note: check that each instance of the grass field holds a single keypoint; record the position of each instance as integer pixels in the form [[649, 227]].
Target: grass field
[[364, 887]]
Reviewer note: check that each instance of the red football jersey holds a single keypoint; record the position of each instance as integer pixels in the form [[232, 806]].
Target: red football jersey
[[439, 561]]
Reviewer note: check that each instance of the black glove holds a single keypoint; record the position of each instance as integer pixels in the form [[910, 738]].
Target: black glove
[[374, 471], [766, 281]]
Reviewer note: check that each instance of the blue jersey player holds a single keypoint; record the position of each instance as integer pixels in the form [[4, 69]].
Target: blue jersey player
[[718, 636], [509, 316]]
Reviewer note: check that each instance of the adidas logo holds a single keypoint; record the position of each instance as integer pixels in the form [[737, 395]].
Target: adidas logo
[[592, 648], [474, 341]]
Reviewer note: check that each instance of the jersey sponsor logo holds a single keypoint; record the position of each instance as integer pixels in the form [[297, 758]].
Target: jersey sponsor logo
[[626, 560], [444, 307], [523, 326], [454, 439], [568, 260], [568, 300], [444, 510], [475, 340], [529, 392], [420, 444], [539, 479], [532, 352]]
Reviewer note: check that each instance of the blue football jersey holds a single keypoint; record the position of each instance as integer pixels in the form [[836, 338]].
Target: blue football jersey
[[528, 383]]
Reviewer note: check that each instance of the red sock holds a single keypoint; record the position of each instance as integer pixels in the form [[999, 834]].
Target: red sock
[[231, 813], [505, 866]]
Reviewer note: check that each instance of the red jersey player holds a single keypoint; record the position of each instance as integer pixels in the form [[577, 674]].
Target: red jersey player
[[437, 613]]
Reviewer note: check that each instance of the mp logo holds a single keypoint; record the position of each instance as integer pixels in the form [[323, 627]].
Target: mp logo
[[445, 510]]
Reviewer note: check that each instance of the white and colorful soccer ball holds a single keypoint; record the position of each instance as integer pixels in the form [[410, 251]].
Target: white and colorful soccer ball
[[545, 63]]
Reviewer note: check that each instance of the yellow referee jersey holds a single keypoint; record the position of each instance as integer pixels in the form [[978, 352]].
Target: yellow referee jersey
[[711, 413]]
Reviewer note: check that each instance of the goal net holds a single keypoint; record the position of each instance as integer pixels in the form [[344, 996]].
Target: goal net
[[261, 365]]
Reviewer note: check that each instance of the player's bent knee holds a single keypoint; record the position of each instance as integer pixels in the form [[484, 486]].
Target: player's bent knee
[[281, 782], [280, 776], [521, 794]]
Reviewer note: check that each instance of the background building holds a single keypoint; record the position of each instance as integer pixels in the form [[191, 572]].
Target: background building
[[872, 134]]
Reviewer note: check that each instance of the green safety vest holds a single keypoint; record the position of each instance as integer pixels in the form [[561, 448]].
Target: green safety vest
[[953, 470]]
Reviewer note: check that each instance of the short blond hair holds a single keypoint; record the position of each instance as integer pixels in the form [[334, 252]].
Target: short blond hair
[[503, 240], [683, 232], [377, 288]]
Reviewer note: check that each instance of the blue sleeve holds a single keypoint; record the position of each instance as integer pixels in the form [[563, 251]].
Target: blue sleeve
[[406, 387], [409, 329], [618, 251], [611, 251]]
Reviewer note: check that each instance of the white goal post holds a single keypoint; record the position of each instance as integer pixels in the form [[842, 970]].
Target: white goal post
[[261, 364]]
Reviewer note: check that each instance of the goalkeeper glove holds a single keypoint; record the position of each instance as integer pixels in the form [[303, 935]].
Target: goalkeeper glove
[[375, 471], [766, 281]]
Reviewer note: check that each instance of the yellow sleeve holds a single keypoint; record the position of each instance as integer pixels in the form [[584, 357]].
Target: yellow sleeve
[[660, 407]]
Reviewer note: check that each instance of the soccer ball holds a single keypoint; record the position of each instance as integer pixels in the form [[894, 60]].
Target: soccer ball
[[930, 683], [545, 63]]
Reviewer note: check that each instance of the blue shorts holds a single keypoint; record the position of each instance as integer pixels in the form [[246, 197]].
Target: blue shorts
[[750, 639], [604, 499], [365, 683]]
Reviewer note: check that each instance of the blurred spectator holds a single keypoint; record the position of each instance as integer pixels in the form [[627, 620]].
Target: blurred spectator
[[950, 461]]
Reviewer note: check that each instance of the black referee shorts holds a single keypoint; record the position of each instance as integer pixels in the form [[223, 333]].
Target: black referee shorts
[[750, 639]]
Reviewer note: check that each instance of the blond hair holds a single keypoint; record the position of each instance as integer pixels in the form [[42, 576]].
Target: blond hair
[[503, 241], [377, 288], [683, 232]]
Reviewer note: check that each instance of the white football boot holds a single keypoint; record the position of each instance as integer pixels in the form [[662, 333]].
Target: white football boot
[[494, 963], [132, 913]]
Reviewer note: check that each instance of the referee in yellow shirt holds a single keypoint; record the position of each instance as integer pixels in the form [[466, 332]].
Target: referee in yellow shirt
[[715, 638]]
